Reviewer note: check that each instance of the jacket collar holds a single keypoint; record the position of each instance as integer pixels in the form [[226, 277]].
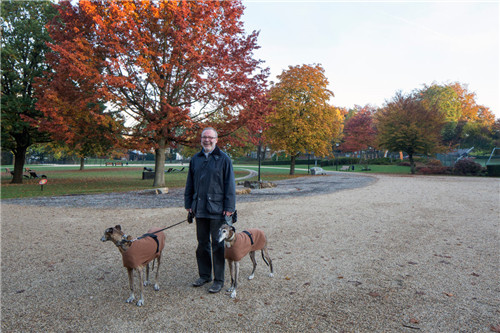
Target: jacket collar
[[216, 152]]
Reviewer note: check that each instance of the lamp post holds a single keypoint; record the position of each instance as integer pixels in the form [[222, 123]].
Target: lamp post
[[259, 153]]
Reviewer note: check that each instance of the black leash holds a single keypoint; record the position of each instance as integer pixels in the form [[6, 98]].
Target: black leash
[[170, 226]]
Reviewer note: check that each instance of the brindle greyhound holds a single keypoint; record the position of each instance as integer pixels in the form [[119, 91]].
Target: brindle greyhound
[[238, 245], [137, 254]]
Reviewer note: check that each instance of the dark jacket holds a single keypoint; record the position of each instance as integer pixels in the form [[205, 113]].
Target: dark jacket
[[210, 185]]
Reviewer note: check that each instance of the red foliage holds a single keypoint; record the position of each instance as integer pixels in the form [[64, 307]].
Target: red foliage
[[172, 66], [359, 131]]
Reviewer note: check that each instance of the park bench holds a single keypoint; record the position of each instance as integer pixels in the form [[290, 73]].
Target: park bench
[[345, 168]]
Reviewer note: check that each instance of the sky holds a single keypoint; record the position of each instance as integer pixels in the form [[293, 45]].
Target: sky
[[370, 50]]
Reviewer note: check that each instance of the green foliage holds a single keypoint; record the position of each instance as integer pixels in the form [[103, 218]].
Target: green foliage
[[24, 39]]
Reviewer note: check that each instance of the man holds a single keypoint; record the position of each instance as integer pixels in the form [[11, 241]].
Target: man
[[211, 195]]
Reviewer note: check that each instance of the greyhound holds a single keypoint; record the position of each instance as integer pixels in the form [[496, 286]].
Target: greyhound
[[137, 254], [237, 246]]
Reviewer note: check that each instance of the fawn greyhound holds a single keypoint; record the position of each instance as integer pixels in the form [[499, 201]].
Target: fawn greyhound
[[137, 254], [238, 245]]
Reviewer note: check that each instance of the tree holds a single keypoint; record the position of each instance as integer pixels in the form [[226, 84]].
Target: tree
[[359, 131], [74, 106], [172, 67], [23, 53], [445, 99], [407, 124], [302, 120], [460, 109], [471, 111]]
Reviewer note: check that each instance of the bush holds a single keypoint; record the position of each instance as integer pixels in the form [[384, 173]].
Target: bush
[[434, 170], [467, 166]]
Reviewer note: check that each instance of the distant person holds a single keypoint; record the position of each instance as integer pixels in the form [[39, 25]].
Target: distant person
[[210, 195]]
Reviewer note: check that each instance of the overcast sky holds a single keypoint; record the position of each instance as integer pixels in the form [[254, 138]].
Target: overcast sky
[[372, 49]]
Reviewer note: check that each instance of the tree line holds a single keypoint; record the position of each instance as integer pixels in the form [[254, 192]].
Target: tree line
[[99, 77]]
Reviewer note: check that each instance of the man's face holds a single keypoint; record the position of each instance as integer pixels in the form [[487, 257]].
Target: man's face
[[208, 140]]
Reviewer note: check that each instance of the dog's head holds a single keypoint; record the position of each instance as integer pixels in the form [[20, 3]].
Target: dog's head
[[226, 232], [114, 234]]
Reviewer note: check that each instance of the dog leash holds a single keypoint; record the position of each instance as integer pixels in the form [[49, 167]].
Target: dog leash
[[157, 231]]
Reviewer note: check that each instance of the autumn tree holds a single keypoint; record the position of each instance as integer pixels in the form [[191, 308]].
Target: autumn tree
[[73, 101], [302, 120], [23, 53], [172, 67], [359, 130], [407, 124], [460, 109]]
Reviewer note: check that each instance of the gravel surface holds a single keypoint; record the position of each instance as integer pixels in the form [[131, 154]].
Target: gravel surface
[[303, 186], [386, 254]]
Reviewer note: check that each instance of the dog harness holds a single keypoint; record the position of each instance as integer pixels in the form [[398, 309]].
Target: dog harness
[[249, 235], [144, 249]]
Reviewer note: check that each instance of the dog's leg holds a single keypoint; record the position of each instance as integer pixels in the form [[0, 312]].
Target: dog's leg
[[236, 276], [230, 263], [157, 286], [267, 260], [130, 272], [146, 281], [254, 262], [140, 271]]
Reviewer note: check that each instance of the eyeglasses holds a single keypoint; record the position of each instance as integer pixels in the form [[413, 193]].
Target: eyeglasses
[[209, 137]]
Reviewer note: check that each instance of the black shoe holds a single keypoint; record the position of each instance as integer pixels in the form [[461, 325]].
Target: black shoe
[[200, 282], [216, 287]]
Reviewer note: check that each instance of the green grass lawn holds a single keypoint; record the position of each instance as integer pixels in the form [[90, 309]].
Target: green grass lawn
[[69, 180]]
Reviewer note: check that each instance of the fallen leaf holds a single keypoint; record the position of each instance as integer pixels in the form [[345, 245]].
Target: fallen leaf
[[287, 278], [495, 328], [474, 274], [240, 314], [449, 294], [20, 291], [374, 294], [340, 277], [307, 284], [414, 321]]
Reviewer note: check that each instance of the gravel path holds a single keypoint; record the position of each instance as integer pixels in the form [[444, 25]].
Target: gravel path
[[296, 187], [394, 254]]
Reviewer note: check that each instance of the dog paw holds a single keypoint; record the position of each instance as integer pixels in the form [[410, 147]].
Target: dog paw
[[140, 302], [271, 274], [233, 294], [130, 299], [251, 277], [157, 287]]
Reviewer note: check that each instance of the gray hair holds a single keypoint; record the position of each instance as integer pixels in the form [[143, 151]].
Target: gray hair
[[208, 129]]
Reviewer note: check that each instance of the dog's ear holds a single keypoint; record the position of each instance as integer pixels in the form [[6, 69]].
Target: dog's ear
[[233, 229], [118, 227], [109, 230]]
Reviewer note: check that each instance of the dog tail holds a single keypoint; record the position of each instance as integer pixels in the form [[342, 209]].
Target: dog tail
[[264, 258]]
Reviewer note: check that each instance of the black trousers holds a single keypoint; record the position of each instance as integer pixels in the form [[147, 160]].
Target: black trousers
[[210, 251]]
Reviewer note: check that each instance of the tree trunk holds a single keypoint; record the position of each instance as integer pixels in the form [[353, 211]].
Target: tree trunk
[[19, 160], [412, 164], [82, 163], [292, 165], [160, 164]]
